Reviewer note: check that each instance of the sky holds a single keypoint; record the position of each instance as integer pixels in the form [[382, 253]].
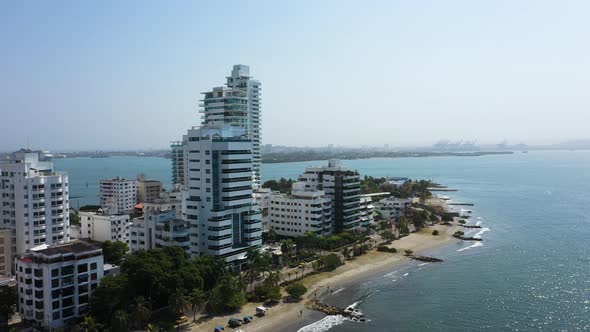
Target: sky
[[108, 75]]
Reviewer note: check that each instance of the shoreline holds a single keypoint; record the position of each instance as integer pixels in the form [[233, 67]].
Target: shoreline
[[287, 315]]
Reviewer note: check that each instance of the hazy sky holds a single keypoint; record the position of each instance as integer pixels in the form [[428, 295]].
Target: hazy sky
[[128, 74]]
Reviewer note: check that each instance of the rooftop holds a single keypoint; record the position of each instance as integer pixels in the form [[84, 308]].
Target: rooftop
[[74, 247]]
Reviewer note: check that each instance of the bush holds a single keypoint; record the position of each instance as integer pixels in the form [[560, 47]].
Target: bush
[[385, 248], [462, 222], [435, 232], [409, 252], [330, 262], [296, 290]]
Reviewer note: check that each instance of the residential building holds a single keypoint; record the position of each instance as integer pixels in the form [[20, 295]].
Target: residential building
[[237, 104], [157, 229], [148, 190], [366, 209], [169, 201], [55, 283], [225, 221], [177, 157], [392, 207], [302, 211], [101, 227], [262, 196], [5, 251], [34, 201], [117, 195], [343, 187]]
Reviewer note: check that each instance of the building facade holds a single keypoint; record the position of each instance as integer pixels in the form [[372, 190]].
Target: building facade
[[262, 196], [117, 195], [178, 162], [103, 227], [366, 209], [157, 229], [147, 190], [391, 207], [225, 221], [34, 201], [343, 186], [5, 251], [55, 284], [301, 212], [237, 104]]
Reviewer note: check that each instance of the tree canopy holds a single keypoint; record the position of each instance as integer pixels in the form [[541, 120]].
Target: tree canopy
[[113, 251]]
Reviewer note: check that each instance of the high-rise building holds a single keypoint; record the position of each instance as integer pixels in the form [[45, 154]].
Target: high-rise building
[[5, 251], [157, 229], [302, 211], [55, 283], [117, 195], [225, 220], [34, 201], [343, 186], [237, 104], [178, 162], [366, 209]]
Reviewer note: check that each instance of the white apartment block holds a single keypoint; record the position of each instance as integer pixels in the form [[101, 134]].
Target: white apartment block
[[392, 207], [169, 201], [34, 201], [55, 284], [301, 212], [148, 190], [101, 227], [177, 156], [5, 251], [367, 209], [225, 221], [237, 104], [117, 195], [344, 189], [159, 229], [262, 196]]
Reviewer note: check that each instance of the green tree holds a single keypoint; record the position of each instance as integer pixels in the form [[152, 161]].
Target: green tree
[[140, 312], [113, 252], [151, 327], [89, 324], [227, 296], [330, 262], [119, 321], [288, 249], [74, 219], [402, 226], [387, 236], [179, 303], [196, 299], [8, 298], [296, 290]]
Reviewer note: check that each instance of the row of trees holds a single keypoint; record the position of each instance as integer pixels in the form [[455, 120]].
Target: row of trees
[[283, 185], [408, 189], [166, 281]]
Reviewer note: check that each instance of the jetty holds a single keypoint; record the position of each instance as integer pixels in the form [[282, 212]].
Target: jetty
[[461, 236], [461, 204], [426, 259], [333, 310], [471, 226]]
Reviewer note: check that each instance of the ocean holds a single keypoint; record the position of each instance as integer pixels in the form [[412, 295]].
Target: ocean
[[531, 272]]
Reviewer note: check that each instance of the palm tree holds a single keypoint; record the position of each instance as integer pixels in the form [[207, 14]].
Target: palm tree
[[90, 325], [119, 321], [151, 327], [196, 299], [140, 312], [179, 303]]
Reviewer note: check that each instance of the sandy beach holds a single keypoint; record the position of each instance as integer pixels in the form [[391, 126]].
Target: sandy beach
[[285, 314]]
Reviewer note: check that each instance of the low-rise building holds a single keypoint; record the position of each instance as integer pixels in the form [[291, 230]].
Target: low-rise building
[[55, 283], [98, 226], [117, 195], [391, 207], [157, 229], [5, 251], [169, 201], [148, 190], [302, 211], [262, 196], [367, 209]]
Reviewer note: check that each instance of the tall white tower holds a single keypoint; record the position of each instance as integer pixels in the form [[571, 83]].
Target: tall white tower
[[34, 201], [237, 104]]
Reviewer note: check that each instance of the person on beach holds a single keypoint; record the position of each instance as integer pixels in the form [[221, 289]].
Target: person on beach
[[300, 313]]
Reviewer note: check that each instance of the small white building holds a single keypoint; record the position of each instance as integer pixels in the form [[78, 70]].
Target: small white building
[[366, 209], [102, 227], [157, 229], [55, 283], [302, 211], [117, 195], [262, 196], [391, 207]]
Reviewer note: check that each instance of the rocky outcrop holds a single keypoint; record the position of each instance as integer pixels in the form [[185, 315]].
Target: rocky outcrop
[[328, 309], [471, 226], [426, 259], [461, 236]]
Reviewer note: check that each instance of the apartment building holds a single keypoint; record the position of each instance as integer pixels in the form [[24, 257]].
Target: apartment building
[[117, 195]]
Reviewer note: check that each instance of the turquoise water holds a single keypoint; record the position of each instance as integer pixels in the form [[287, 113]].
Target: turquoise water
[[531, 273]]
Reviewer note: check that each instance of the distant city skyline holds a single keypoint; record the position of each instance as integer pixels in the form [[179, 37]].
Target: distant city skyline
[[128, 76]]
